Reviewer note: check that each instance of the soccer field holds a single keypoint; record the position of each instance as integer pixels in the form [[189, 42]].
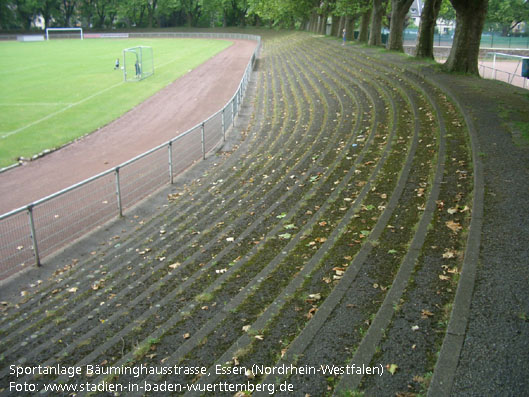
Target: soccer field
[[54, 92]]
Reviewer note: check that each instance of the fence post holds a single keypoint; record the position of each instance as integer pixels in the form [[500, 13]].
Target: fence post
[[170, 147], [494, 66], [118, 192], [203, 137], [223, 126], [233, 111], [33, 235]]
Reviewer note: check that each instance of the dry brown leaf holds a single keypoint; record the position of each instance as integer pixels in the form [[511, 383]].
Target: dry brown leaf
[[454, 226], [449, 254], [426, 313]]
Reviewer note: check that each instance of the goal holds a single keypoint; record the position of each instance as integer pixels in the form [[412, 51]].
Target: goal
[[63, 35], [138, 63]]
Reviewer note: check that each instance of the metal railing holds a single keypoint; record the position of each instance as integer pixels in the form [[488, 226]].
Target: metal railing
[[40, 228], [503, 67]]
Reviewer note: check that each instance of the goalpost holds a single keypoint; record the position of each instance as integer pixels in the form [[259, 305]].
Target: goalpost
[[48, 30], [138, 63]]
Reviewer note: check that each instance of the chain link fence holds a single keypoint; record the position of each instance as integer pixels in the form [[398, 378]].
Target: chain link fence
[[39, 229]]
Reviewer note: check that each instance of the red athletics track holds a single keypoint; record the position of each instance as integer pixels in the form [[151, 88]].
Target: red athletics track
[[176, 108]]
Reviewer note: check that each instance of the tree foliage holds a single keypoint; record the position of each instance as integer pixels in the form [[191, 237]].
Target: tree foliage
[[506, 15]]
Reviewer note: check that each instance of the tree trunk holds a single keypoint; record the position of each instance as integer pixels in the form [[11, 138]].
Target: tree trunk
[[341, 27], [425, 38], [376, 23], [323, 24], [349, 28], [363, 34], [399, 10], [470, 18], [313, 25], [335, 27]]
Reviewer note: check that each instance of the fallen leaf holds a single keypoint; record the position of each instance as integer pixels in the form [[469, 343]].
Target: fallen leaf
[[314, 297], [259, 337], [449, 254], [311, 312], [426, 313], [174, 265], [392, 368], [444, 278], [455, 227], [246, 328], [249, 374]]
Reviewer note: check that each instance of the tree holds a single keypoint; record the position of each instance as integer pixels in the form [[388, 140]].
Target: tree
[[48, 9], [470, 19], [192, 11], [399, 11], [132, 11], [363, 34], [507, 14], [425, 39], [7, 16], [68, 7], [286, 13], [25, 12], [379, 6]]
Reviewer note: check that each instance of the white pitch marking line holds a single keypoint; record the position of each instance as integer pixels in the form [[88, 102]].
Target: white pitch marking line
[[59, 111]]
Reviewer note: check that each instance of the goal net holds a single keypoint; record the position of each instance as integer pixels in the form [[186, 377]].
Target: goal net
[[138, 63], [64, 33]]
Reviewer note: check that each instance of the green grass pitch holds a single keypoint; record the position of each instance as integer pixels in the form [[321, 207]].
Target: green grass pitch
[[54, 92]]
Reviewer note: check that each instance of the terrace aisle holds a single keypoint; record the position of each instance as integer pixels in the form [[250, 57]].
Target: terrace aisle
[[178, 107]]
